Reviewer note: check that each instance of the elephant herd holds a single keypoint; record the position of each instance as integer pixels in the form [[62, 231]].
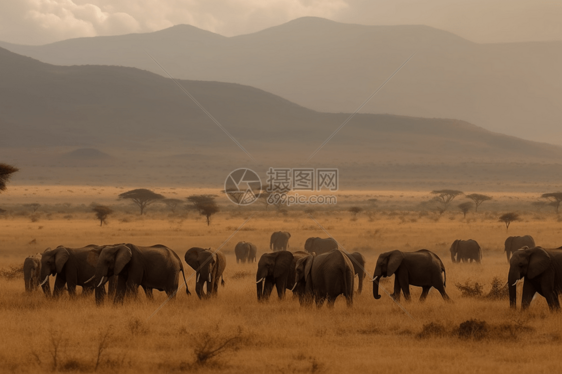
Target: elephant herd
[[124, 267], [319, 274]]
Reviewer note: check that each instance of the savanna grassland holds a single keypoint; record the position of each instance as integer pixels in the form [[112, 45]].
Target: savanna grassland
[[40, 335]]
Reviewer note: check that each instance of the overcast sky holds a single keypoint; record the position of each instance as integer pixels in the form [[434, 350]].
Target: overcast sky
[[486, 21]]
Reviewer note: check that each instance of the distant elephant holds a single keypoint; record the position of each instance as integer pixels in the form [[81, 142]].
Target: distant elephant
[[542, 270], [32, 274], [422, 268], [325, 276], [71, 267], [274, 269], [466, 250], [156, 267], [245, 251], [319, 245], [279, 241], [513, 243], [209, 267], [358, 262]]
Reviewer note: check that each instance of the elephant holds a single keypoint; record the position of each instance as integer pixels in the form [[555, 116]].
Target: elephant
[[422, 268], [72, 268], [513, 243], [542, 270], [155, 267], [274, 269], [245, 251], [32, 274], [325, 276], [319, 245], [466, 250], [279, 241], [358, 262], [209, 266]]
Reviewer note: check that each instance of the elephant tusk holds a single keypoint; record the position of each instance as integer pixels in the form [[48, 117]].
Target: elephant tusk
[[101, 281], [295, 286], [515, 284], [374, 279], [45, 281], [209, 277], [93, 276], [260, 280], [198, 275]]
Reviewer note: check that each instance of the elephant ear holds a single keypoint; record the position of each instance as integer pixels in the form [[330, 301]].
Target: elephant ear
[[508, 244], [308, 272], [394, 260], [282, 263], [122, 258], [93, 256], [539, 261], [192, 258], [454, 247], [61, 257]]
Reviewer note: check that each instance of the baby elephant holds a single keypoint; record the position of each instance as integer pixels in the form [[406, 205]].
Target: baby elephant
[[422, 268], [32, 274]]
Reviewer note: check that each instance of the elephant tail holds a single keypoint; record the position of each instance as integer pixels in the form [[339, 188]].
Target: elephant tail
[[185, 282]]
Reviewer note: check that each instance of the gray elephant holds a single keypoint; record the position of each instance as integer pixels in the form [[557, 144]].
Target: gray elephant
[[209, 267], [279, 241], [465, 251], [513, 243], [542, 270], [32, 274], [358, 262], [72, 268], [325, 277], [319, 245], [245, 251], [422, 268], [155, 267], [274, 269]]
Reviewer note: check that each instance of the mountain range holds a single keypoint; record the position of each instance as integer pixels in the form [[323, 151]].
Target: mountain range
[[512, 88]]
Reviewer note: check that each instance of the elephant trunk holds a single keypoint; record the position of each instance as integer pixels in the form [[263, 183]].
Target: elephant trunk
[[376, 278], [453, 257], [512, 280]]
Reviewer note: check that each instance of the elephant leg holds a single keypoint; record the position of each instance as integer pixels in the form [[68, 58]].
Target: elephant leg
[[396, 294], [99, 293], [59, 286], [71, 289], [148, 293], [87, 291], [404, 284], [120, 290], [439, 287], [330, 301], [529, 292], [319, 301], [424, 292]]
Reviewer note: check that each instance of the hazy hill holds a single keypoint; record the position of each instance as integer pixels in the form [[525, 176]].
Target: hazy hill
[[512, 88]]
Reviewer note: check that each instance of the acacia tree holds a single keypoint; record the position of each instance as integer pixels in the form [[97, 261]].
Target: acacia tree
[[445, 197], [173, 204], [478, 199], [507, 218], [465, 208], [6, 172], [142, 198], [205, 205], [555, 197], [102, 212]]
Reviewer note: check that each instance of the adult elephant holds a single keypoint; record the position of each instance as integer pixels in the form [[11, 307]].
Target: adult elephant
[[465, 251], [513, 243], [279, 241], [422, 268], [325, 276], [209, 267], [358, 262], [245, 251], [320, 245], [274, 269], [32, 274], [542, 270], [155, 267], [72, 268]]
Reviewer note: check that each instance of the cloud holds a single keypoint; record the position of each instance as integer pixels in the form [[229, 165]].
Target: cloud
[[43, 21]]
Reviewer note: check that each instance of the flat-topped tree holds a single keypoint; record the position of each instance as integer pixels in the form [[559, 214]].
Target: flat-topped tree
[[478, 199], [445, 197], [555, 197], [6, 172], [507, 218], [102, 212], [205, 205], [142, 198], [465, 207]]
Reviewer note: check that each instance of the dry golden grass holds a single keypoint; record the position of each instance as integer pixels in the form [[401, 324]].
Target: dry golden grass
[[278, 336]]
